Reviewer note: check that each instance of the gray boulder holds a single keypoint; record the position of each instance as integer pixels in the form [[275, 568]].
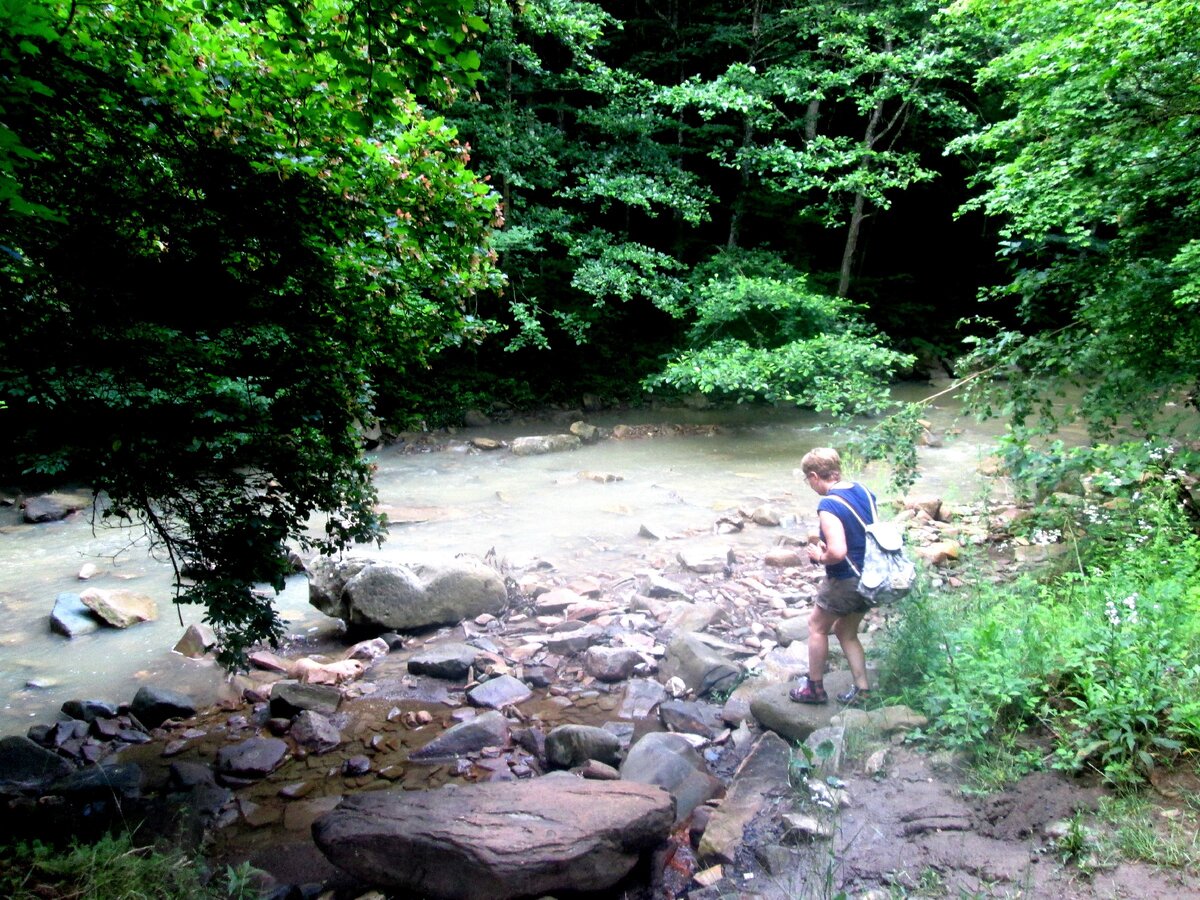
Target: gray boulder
[[499, 692], [53, 507], [26, 766], [154, 705], [450, 661], [763, 775], [700, 667], [289, 698], [669, 761], [315, 733], [495, 841], [120, 608], [774, 710], [573, 745], [250, 760], [406, 597], [71, 618], [535, 445], [490, 729]]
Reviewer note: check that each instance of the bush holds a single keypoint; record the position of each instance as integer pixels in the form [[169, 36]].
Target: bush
[[1106, 659]]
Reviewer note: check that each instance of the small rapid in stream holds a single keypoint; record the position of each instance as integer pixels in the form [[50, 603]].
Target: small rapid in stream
[[692, 467]]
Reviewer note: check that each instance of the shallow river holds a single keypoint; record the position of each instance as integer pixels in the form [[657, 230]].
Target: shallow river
[[449, 501]]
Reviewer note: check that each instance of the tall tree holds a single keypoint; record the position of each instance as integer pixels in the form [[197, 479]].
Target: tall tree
[[222, 221], [1094, 170]]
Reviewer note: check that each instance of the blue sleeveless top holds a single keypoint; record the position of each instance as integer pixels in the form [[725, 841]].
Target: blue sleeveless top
[[856, 537]]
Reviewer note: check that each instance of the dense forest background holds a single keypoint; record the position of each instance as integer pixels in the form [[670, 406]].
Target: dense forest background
[[235, 233]]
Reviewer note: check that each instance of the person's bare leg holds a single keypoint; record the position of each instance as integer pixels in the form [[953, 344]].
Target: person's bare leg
[[820, 623], [846, 629]]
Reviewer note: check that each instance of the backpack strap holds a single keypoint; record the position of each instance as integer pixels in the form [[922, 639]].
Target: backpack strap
[[854, 512]]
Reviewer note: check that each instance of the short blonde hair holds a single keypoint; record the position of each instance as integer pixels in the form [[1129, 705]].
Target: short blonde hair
[[824, 461]]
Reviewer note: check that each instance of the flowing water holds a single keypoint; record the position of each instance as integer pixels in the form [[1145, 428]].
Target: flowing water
[[454, 500]]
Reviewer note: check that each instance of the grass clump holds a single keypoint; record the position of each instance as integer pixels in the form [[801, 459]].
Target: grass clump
[[112, 868]]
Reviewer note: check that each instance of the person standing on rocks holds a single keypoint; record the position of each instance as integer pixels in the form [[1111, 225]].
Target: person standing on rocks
[[839, 607]]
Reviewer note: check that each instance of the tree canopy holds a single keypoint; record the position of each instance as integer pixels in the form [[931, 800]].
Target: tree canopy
[[234, 232], [223, 220]]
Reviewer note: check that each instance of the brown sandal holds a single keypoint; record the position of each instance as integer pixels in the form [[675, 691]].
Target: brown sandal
[[810, 692]]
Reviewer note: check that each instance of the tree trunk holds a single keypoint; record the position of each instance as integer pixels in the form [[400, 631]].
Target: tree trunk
[[859, 213]]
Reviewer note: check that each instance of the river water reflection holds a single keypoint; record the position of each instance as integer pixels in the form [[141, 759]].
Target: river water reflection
[[449, 501]]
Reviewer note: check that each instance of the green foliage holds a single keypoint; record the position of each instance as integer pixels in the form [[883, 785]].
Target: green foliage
[[112, 868], [1089, 174], [232, 224], [771, 337], [1108, 659]]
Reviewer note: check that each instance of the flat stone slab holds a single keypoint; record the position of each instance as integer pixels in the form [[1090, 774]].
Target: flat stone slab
[[494, 841]]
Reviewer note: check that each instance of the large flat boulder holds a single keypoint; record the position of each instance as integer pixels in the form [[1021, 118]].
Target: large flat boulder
[[494, 841]]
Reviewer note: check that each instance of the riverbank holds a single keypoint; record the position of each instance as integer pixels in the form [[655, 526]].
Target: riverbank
[[557, 638]]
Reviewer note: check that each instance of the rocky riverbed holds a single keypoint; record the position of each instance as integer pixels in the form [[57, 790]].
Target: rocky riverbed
[[623, 733]]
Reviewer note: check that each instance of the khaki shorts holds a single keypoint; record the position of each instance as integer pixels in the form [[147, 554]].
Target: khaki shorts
[[840, 596]]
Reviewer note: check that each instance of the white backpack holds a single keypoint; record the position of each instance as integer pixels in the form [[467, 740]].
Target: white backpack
[[887, 574]]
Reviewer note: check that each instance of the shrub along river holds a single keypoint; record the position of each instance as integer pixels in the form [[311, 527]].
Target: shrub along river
[[677, 470]]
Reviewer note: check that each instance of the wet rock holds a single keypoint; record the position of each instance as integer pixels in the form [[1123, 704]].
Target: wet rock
[[796, 721], [601, 477], [658, 586], [574, 641], [310, 671], [356, 766], [572, 745], [26, 766], [574, 835], [656, 531], [315, 733], [451, 661], [556, 600], [407, 597], [71, 617], [611, 664], [701, 668], [587, 433], [597, 770], [670, 761], [641, 696], [499, 692], [270, 662], [122, 782], [250, 760], [706, 559], [87, 571], [197, 640], [288, 698], [489, 729], [766, 516], [762, 775], [89, 710], [690, 717], [786, 557], [154, 705], [120, 608], [53, 507], [369, 651], [538, 444]]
